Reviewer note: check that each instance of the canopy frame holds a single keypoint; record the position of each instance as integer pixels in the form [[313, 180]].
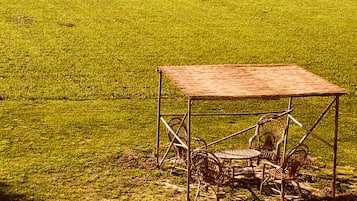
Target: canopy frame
[[236, 82]]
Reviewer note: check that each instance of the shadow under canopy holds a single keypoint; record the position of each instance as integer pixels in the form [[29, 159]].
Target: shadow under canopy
[[244, 82]]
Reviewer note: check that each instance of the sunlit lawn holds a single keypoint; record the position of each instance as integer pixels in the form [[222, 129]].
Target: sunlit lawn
[[78, 85]]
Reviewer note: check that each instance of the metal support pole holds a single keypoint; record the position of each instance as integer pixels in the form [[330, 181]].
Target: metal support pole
[[189, 147], [335, 148], [286, 131], [244, 130], [309, 131], [158, 119], [228, 114]]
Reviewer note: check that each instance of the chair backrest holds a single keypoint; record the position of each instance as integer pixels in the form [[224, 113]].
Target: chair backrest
[[207, 166], [295, 160], [178, 127], [268, 134]]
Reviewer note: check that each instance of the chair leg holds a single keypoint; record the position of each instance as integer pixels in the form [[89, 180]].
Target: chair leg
[[198, 190], [282, 191], [218, 194], [206, 188], [299, 188], [263, 180], [262, 184], [231, 190], [173, 166]]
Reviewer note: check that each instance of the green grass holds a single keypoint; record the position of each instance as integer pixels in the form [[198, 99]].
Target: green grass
[[78, 84]]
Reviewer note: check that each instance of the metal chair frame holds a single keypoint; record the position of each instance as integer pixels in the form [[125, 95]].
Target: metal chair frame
[[179, 142], [209, 173], [287, 171], [269, 136]]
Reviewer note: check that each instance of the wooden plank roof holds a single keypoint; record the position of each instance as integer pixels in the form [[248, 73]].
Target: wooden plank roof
[[248, 81]]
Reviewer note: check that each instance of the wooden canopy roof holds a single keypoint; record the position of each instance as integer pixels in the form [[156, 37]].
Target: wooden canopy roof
[[248, 81]]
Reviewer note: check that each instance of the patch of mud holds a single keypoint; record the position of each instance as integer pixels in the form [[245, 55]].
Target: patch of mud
[[130, 159], [315, 186], [21, 19]]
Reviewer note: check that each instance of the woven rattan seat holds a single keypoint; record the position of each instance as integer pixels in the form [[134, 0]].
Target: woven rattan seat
[[180, 148], [268, 137], [287, 171], [210, 173]]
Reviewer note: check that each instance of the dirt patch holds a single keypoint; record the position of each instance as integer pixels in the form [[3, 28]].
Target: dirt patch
[[131, 159], [21, 19], [315, 186]]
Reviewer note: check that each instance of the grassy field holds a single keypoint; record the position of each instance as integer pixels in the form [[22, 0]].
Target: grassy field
[[78, 85]]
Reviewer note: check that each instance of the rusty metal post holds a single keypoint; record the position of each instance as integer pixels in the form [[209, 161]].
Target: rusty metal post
[[189, 147], [316, 122], [286, 132], [158, 119], [335, 148]]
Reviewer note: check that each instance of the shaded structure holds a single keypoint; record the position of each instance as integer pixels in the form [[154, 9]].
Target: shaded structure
[[244, 82]]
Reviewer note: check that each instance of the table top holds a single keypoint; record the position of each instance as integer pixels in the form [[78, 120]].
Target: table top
[[237, 154], [248, 81]]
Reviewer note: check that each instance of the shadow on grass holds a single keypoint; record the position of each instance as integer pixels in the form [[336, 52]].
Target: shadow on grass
[[5, 194], [338, 198], [252, 185], [306, 195]]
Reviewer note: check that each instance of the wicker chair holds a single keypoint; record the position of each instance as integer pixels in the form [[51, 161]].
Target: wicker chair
[[268, 137], [180, 149], [210, 174], [287, 172]]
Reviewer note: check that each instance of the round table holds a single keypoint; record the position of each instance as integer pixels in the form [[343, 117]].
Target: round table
[[238, 154]]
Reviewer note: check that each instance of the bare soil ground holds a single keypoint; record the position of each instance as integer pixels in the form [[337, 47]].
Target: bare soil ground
[[314, 187]]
